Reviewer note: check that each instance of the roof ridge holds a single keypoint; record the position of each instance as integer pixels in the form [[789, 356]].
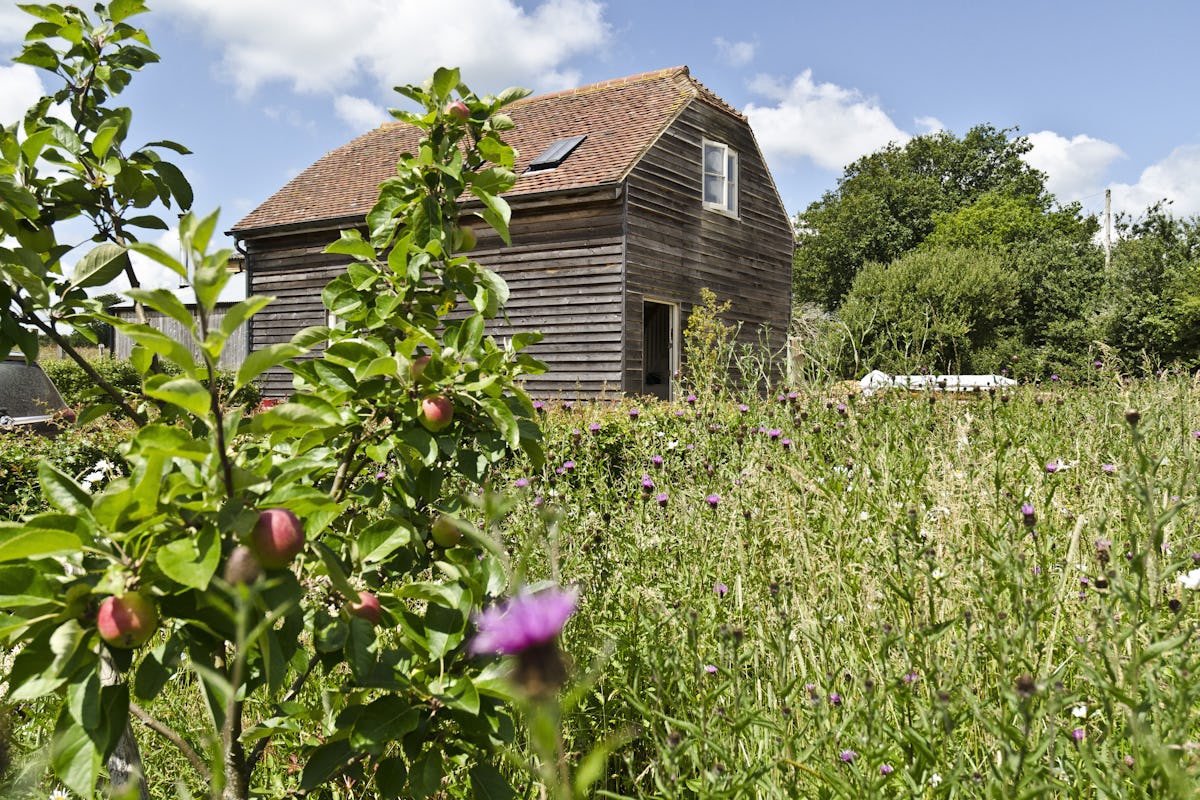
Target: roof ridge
[[611, 83]]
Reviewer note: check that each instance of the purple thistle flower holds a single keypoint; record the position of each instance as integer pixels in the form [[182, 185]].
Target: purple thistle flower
[[538, 500], [691, 399], [793, 396], [576, 435], [539, 406], [633, 413], [910, 678], [647, 484], [1097, 363], [594, 427], [835, 699], [713, 500], [1030, 518], [774, 433], [780, 399], [720, 589], [523, 621], [787, 443], [742, 407], [662, 499], [656, 461], [568, 465], [1051, 467], [679, 412], [885, 769], [711, 669], [848, 756], [521, 483], [1054, 378]]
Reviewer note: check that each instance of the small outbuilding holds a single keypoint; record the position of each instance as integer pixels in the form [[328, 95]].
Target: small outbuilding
[[633, 195]]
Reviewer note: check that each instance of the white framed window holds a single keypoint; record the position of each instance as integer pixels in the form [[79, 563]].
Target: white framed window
[[720, 178]]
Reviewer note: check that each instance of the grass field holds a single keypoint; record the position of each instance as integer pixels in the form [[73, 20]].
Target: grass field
[[815, 595]]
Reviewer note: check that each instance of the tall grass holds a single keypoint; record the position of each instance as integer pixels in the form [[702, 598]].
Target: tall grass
[[892, 597]]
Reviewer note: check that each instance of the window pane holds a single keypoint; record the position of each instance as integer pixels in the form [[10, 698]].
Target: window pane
[[714, 159], [714, 189]]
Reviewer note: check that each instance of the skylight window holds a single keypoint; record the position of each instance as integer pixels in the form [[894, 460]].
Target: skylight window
[[555, 154]]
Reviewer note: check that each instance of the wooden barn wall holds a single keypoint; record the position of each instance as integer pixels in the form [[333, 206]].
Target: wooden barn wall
[[293, 270], [564, 274], [676, 246], [231, 357]]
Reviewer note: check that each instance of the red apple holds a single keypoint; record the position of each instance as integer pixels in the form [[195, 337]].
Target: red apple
[[459, 110], [437, 411], [242, 567], [277, 538], [444, 532], [367, 607], [127, 620], [416, 368]]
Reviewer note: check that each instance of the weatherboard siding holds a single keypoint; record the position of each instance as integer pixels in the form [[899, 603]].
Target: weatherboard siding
[[676, 247]]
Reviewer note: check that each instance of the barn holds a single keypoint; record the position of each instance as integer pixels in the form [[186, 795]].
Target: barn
[[634, 194]]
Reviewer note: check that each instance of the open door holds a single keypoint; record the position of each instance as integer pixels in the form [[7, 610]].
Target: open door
[[660, 357]]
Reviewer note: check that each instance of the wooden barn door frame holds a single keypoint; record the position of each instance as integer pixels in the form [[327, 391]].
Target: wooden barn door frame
[[660, 346]]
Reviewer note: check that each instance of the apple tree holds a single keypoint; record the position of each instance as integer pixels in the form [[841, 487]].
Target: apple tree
[[308, 572]]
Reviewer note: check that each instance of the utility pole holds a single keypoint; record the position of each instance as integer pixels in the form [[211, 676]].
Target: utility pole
[[1107, 230]]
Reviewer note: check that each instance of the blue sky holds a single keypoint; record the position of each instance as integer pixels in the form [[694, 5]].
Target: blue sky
[[259, 89]]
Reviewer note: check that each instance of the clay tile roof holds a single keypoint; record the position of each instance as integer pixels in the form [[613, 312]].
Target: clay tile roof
[[621, 118]]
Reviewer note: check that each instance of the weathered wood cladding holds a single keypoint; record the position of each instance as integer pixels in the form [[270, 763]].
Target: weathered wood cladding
[[232, 355], [564, 271], [292, 269], [675, 246]]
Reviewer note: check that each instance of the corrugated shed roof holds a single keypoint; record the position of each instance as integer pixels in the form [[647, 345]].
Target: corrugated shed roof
[[621, 118]]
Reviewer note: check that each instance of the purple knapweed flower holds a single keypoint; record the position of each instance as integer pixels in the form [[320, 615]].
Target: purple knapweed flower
[[711, 669], [885, 769], [720, 589], [568, 466], [1054, 378], [679, 412], [567, 405], [647, 484], [1051, 467], [848, 756], [835, 699], [793, 396], [1077, 734], [633, 413], [774, 434], [381, 475], [657, 461], [910, 678], [524, 621], [1109, 469], [539, 406], [594, 427], [742, 407], [521, 483], [1196, 434], [691, 399], [1097, 363], [662, 499], [713, 500]]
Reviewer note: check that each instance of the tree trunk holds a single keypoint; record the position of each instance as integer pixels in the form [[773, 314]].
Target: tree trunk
[[125, 771]]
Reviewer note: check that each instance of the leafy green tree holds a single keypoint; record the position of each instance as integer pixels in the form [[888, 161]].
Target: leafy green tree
[[935, 309], [889, 202], [238, 555], [1152, 303], [1002, 222]]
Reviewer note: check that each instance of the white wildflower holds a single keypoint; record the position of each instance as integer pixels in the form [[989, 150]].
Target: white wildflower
[[1079, 712], [935, 779], [1190, 580], [60, 794]]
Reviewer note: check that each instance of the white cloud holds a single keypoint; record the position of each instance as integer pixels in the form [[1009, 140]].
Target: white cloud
[[359, 113], [1075, 167], [323, 47], [14, 23], [736, 54], [20, 87], [929, 124], [1175, 178], [826, 123]]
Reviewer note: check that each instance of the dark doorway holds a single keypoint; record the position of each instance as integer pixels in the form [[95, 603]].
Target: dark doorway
[[659, 358]]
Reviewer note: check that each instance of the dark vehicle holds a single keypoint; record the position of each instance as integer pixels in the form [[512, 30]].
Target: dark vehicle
[[29, 400]]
